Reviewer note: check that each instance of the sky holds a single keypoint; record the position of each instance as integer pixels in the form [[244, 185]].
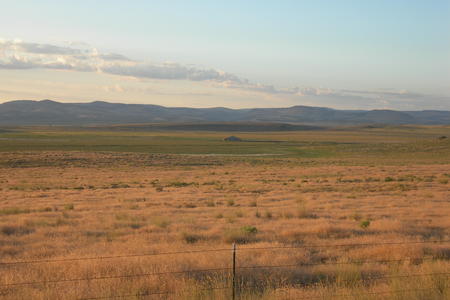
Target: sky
[[341, 54]]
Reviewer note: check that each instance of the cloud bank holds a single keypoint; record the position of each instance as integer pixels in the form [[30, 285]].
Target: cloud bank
[[20, 55]]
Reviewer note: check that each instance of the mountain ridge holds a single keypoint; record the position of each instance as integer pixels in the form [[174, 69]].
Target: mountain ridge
[[49, 112]]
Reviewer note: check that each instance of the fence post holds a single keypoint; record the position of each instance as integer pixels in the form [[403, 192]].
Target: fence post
[[233, 274]]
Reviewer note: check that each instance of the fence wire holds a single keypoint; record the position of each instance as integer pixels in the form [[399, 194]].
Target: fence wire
[[230, 269]]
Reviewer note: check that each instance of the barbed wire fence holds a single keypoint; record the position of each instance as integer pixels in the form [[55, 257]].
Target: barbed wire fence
[[234, 268]]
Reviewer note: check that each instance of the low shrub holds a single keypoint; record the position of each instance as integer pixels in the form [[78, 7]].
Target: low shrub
[[364, 223], [191, 238], [14, 211], [443, 180], [239, 214], [210, 204], [69, 206], [16, 230], [161, 222], [181, 184], [249, 229], [243, 235]]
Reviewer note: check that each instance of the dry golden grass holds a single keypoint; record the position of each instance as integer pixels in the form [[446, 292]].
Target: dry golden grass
[[58, 205]]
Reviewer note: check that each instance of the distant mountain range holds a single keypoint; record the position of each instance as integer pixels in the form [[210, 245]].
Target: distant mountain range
[[47, 112]]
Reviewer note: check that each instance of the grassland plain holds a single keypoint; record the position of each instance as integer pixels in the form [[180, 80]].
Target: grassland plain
[[69, 194]]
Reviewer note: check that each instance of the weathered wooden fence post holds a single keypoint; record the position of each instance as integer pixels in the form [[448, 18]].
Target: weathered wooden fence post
[[233, 273]]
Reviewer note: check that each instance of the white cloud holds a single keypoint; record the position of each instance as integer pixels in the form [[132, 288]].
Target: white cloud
[[170, 71], [21, 55], [16, 54], [16, 62], [36, 48]]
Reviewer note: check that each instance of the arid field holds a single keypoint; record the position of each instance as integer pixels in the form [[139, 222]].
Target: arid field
[[358, 213]]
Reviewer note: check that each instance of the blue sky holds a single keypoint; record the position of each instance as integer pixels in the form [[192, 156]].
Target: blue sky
[[343, 54]]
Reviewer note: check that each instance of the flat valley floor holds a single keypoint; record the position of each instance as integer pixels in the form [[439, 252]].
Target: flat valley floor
[[345, 214]]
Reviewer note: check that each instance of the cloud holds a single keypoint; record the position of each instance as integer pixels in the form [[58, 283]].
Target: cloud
[[385, 93], [20, 62], [270, 89], [19, 55], [113, 56], [36, 48], [16, 62], [169, 71]]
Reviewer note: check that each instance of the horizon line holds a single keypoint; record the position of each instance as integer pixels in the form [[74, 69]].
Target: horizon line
[[217, 107]]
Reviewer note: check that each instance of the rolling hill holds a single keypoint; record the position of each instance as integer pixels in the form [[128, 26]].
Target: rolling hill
[[47, 112]]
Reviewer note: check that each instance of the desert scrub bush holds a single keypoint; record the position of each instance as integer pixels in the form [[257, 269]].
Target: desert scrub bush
[[45, 209], [329, 231], [130, 224], [230, 202], [16, 230], [161, 222], [239, 214], [287, 214], [122, 216], [439, 253], [17, 188], [135, 225], [249, 229], [190, 205], [429, 178], [268, 214], [191, 238], [181, 184], [119, 186], [69, 206], [303, 210], [364, 224], [135, 200], [219, 216], [407, 178], [61, 221], [231, 219], [243, 235], [210, 204], [355, 216], [210, 183], [134, 206], [14, 211], [51, 222], [443, 180], [95, 234], [372, 179], [253, 204], [388, 179]]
